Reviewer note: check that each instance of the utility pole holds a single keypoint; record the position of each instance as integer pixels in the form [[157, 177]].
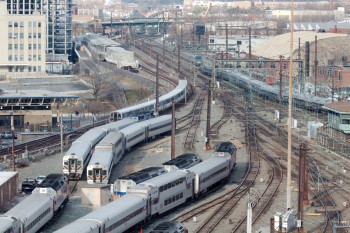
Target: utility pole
[[280, 92], [302, 181], [179, 60], [249, 214], [207, 137], [315, 63], [61, 133], [173, 128], [163, 39], [213, 76], [300, 67], [250, 43], [157, 87], [226, 32], [13, 142], [331, 72]]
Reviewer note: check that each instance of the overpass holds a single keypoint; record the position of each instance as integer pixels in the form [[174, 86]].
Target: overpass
[[137, 22]]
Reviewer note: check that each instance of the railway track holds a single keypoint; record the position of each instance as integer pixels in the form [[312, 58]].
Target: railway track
[[48, 141], [195, 119]]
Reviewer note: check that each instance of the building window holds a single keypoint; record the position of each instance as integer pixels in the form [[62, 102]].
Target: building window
[[16, 24], [39, 35], [10, 46], [29, 57], [10, 35], [39, 24], [16, 58], [39, 46], [29, 69], [39, 68], [16, 46], [21, 24], [29, 35], [10, 24], [34, 57], [39, 57], [34, 46], [21, 58], [10, 57], [15, 35], [34, 35], [10, 69], [29, 24], [211, 41], [34, 24], [34, 68], [21, 35], [29, 46], [21, 46], [21, 68]]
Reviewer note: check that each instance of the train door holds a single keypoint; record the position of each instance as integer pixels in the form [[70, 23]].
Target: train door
[[72, 165], [97, 174]]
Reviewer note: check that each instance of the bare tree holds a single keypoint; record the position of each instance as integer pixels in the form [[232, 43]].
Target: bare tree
[[97, 83]]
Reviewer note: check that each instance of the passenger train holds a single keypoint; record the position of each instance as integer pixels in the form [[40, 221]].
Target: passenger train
[[155, 196], [180, 162], [110, 150], [77, 157], [267, 91], [31, 214], [165, 102]]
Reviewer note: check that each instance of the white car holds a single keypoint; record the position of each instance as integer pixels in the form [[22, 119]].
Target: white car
[[40, 179]]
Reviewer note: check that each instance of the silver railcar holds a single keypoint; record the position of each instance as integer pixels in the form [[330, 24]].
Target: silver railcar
[[107, 153], [36, 210]]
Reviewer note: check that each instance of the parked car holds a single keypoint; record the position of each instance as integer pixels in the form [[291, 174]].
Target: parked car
[[4, 145], [40, 179], [28, 185], [8, 135]]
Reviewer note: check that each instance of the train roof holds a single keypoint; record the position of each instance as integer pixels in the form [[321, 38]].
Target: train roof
[[158, 119], [113, 126], [310, 98], [183, 161], [101, 157], [121, 207], [77, 149], [224, 147], [30, 205], [54, 181], [163, 179], [79, 226], [133, 128], [168, 227], [144, 174], [110, 139], [180, 87], [92, 134], [137, 106], [208, 163]]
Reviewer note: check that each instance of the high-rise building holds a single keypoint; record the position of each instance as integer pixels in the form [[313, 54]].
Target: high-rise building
[[55, 25], [22, 41]]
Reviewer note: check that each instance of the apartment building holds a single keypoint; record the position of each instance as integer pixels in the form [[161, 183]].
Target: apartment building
[[22, 42]]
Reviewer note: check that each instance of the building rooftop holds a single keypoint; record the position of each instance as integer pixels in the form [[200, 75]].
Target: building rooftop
[[279, 45], [338, 107], [5, 176]]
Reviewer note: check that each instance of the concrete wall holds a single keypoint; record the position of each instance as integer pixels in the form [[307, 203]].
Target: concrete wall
[[8, 187], [95, 195]]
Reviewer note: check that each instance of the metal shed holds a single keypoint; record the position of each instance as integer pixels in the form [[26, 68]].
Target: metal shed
[[8, 187], [339, 115]]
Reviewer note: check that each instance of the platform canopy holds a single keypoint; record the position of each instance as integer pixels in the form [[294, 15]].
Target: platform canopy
[[9, 99]]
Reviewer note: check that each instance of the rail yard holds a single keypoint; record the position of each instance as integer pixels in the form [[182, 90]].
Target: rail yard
[[207, 106]]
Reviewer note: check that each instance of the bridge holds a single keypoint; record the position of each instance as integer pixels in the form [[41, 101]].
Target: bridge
[[137, 22]]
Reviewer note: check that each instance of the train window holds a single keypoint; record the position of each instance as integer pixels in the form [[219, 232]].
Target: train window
[[169, 185], [66, 163], [173, 184], [166, 202], [177, 196], [165, 187], [78, 163], [181, 195], [104, 172], [90, 172], [161, 189], [173, 199]]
